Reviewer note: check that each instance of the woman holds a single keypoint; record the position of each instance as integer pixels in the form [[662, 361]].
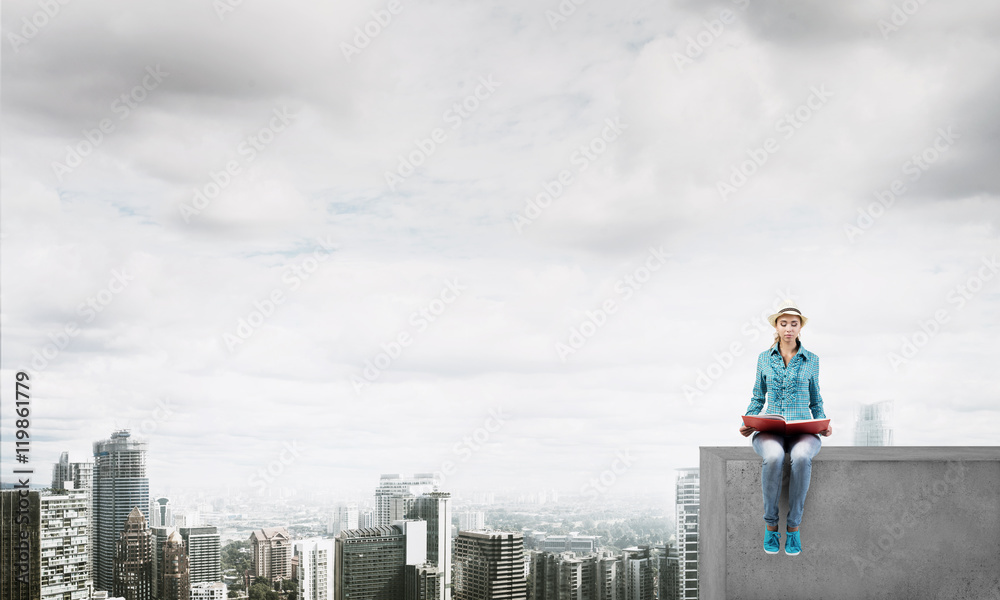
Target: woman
[[788, 375]]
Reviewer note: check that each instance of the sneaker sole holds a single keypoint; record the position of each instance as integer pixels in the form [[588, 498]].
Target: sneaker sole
[[793, 553], [771, 551]]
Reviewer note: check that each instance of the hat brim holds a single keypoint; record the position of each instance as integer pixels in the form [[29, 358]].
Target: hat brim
[[774, 318]]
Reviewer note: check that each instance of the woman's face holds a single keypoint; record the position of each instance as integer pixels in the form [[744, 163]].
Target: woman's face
[[788, 327]]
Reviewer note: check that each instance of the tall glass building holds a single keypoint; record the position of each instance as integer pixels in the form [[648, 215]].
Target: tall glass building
[[119, 485], [687, 504], [872, 424]]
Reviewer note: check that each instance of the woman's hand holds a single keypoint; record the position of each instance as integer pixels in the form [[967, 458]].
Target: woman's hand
[[827, 432], [746, 430]]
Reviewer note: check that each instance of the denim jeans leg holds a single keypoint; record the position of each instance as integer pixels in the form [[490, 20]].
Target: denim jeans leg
[[803, 448], [771, 448]]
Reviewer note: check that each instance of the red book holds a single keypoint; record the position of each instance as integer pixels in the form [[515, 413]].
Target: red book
[[778, 424]]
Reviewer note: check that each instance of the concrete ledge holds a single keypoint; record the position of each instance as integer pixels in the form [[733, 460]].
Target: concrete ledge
[[879, 523]]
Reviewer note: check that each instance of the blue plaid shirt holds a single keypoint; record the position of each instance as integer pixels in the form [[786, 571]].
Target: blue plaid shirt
[[792, 391]]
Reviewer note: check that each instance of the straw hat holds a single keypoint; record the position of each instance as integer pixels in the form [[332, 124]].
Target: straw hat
[[787, 308]]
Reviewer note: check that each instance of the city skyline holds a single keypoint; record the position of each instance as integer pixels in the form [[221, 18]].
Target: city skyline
[[525, 246]]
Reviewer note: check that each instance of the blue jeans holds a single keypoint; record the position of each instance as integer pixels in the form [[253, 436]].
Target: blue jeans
[[772, 447]]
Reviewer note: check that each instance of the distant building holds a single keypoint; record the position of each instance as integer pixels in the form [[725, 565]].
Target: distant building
[[687, 509], [162, 514], [669, 570], [209, 591], [80, 473], [133, 572], [564, 576], [489, 565], [204, 550], [872, 424], [422, 582], [370, 562], [175, 583], [120, 485], [315, 569], [637, 574], [574, 542], [392, 485], [159, 537], [344, 517], [271, 550], [366, 518], [471, 520], [435, 509]]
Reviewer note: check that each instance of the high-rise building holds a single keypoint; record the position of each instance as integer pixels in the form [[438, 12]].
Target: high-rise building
[[315, 569], [204, 550], [422, 582], [366, 518], [435, 509], [133, 572], [209, 591], [81, 474], [158, 536], [175, 581], [370, 562], [393, 485], [564, 576], [687, 504], [271, 550], [20, 569], [669, 570], [344, 517], [471, 520], [637, 574], [574, 542], [119, 485], [161, 513], [872, 424], [609, 570], [489, 565]]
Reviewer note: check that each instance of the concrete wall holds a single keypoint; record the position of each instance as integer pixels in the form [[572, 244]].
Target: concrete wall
[[892, 522]]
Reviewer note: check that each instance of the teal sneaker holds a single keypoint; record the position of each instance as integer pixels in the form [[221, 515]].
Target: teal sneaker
[[793, 545], [772, 541]]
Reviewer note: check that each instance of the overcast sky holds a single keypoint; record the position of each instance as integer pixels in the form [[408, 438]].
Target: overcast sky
[[216, 214]]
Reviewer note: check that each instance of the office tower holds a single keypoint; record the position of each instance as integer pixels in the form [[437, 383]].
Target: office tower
[[872, 424], [271, 553], [209, 591], [435, 509], [315, 569], [80, 473], [20, 569], [162, 514], [175, 583], [344, 517], [366, 518], [370, 562], [422, 582], [119, 485], [204, 551], [637, 574], [564, 576], [668, 574], [133, 572], [395, 485], [687, 503], [489, 565], [159, 537], [471, 520]]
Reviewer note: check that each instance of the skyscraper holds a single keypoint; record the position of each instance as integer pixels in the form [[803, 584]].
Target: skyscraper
[[20, 533], [435, 509], [133, 572], [422, 582], [204, 551], [872, 425], [158, 536], [78, 476], [564, 576], [669, 574], [344, 517], [489, 565], [370, 562], [271, 553], [175, 583], [162, 513], [315, 569], [393, 485], [687, 504], [637, 574], [120, 484]]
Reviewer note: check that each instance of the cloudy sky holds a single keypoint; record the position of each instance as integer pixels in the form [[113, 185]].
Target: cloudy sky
[[526, 243]]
